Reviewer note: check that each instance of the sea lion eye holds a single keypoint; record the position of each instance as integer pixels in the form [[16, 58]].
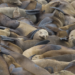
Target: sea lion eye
[[40, 32]]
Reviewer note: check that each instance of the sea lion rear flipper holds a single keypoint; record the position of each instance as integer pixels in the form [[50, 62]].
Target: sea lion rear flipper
[[70, 65], [32, 12], [43, 42], [6, 38]]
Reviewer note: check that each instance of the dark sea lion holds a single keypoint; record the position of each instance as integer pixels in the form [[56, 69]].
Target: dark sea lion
[[22, 60]]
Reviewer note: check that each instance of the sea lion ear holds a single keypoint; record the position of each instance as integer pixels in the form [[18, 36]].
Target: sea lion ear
[[16, 13], [32, 12]]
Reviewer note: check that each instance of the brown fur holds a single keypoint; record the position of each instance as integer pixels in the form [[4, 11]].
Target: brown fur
[[3, 67], [53, 53], [22, 60]]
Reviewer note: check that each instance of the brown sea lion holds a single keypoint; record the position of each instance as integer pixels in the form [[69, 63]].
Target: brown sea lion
[[22, 60], [47, 8], [3, 67], [5, 32], [40, 49], [56, 65], [67, 57], [53, 53], [14, 67], [18, 2], [30, 14], [25, 29], [73, 4]]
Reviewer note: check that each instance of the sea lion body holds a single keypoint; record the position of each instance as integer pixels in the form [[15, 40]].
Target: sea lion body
[[53, 53]]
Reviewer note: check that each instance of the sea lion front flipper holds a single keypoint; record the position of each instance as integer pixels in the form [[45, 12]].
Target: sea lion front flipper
[[43, 42], [32, 12]]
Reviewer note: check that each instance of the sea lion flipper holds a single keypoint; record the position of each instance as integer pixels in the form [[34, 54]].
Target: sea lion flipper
[[6, 38], [32, 12], [69, 65], [43, 42], [47, 68], [56, 8]]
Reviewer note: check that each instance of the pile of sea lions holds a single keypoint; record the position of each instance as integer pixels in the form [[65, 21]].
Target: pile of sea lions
[[37, 37]]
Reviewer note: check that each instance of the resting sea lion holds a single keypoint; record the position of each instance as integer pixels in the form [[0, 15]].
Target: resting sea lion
[[67, 57], [7, 22], [73, 4], [14, 67], [18, 2], [5, 32], [3, 67], [53, 53], [15, 12], [40, 49], [56, 65], [25, 29], [22, 60]]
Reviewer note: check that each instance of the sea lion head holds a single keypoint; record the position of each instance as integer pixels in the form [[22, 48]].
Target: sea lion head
[[72, 38], [41, 34], [36, 57]]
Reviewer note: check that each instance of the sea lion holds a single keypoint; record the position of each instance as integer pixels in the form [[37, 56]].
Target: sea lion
[[40, 49], [64, 72], [73, 4], [7, 22], [72, 38], [3, 67], [5, 32], [22, 60], [67, 57], [53, 53], [56, 65], [42, 1], [14, 67], [25, 29], [18, 2], [30, 14], [47, 8]]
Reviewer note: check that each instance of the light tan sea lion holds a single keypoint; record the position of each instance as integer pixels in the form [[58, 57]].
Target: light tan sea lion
[[5, 32]]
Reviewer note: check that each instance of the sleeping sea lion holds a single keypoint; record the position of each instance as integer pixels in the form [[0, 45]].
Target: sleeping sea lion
[[25, 30], [30, 14], [22, 60], [53, 53], [18, 2], [40, 49], [56, 65]]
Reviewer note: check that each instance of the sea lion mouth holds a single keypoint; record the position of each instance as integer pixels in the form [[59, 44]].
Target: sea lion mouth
[[64, 39]]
